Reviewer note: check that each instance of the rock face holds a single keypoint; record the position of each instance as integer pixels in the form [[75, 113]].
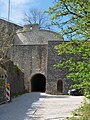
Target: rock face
[[2, 84], [8, 71], [34, 54]]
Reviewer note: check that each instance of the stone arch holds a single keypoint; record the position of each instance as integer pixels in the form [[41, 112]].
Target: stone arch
[[59, 86], [38, 83]]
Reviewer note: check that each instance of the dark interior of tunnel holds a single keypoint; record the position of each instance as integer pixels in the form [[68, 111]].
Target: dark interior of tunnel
[[38, 83]]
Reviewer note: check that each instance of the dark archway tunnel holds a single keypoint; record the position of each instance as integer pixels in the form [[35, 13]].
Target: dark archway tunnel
[[38, 83]]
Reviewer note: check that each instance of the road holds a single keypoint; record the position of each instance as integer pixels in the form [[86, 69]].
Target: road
[[40, 106]]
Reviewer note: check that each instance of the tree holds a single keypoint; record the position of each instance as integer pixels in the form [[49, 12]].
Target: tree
[[36, 16], [78, 62], [72, 17], [6, 41]]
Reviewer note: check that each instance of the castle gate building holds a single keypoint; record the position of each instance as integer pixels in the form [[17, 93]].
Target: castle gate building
[[34, 54]]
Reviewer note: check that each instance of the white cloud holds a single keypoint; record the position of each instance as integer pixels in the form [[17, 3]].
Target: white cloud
[[21, 2], [16, 2], [17, 8]]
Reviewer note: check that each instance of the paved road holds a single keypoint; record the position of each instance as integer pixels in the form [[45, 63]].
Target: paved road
[[40, 106]]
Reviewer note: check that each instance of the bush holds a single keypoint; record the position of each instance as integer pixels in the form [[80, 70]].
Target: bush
[[83, 113]]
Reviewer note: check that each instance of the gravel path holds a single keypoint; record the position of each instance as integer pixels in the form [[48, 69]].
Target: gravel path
[[40, 106]]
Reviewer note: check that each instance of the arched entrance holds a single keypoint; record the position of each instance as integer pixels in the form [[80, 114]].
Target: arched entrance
[[59, 86], [38, 83]]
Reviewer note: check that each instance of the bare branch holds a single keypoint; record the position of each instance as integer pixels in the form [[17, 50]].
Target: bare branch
[[36, 16], [71, 11]]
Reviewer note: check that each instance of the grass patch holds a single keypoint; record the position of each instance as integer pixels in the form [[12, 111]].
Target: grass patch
[[83, 113]]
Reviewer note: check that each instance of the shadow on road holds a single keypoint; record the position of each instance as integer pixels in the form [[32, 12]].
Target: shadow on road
[[22, 107]]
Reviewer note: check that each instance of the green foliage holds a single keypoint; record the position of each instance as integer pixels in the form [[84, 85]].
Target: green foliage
[[76, 58], [83, 113], [72, 17]]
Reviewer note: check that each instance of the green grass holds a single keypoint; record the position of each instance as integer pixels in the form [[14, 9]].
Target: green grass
[[83, 113]]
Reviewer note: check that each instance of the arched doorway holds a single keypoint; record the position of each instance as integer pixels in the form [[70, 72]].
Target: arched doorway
[[59, 86], [38, 83]]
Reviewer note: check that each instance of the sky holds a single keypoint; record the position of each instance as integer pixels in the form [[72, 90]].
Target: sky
[[19, 7]]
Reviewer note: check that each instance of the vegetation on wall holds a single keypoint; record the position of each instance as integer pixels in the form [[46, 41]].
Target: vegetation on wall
[[83, 113], [6, 41], [78, 62], [73, 17]]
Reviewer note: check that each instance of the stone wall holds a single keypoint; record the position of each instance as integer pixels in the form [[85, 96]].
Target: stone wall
[[11, 26], [2, 85], [30, 59], [33, 54], [53, 75], [15, 77], [28, 36], [30, 51]]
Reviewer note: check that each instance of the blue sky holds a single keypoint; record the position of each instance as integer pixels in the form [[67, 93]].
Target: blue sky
[[19, 7]]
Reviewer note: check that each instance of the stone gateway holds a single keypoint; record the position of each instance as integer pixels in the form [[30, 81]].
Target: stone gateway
[[34, 55]]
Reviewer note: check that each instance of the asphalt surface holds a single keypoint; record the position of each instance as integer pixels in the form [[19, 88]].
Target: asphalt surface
[[40, 106]]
